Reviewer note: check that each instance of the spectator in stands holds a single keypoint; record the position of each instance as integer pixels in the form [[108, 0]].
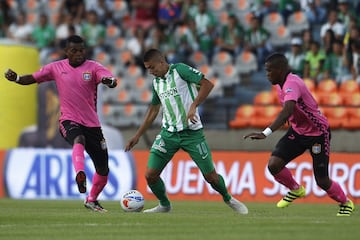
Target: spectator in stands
[[333, 24], [306, 38], [335, 65], [75, 8], [94, 33], [327, 41], [315, 13], [296, 57], [186, 40], [144, 14], [103, 9], [189, 9], [314, 61], [346, 13], [230, 38], [20, 30], [136, 44], [5, 17], [205, 29], [169, 14], [256, 40], [287, 7], [159, 39], [66, 27], [44, 37], [355, 60]]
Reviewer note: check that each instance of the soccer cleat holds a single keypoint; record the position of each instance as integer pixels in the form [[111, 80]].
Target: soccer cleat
[[94, 206], [237, 206], [346, 209], [291, 196], [158, 209], [81, 181]]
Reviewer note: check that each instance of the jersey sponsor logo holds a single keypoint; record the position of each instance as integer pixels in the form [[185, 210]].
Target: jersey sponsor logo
[[169, 93], [316, 148], [86, 76]]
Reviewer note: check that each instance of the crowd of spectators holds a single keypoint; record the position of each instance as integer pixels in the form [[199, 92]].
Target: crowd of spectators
[[328, 48]]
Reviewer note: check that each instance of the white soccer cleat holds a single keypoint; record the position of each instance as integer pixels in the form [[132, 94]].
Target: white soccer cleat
[[237, 206], [158, 209]]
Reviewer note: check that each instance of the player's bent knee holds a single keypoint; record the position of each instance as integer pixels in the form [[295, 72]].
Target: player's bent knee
[[102, 171]]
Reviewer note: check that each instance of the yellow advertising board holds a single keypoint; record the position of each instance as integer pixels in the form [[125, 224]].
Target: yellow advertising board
[[18, 107]]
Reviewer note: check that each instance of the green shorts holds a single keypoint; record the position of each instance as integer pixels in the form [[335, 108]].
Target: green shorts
[[193, 142]]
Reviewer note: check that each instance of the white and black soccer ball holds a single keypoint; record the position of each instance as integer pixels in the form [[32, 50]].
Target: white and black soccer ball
[[132, 201]]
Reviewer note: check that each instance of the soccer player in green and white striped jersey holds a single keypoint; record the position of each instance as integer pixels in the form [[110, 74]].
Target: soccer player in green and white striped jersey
[[179, 89]]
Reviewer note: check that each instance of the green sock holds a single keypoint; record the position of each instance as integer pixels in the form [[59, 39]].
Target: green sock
[[221, 188], [158, 189]]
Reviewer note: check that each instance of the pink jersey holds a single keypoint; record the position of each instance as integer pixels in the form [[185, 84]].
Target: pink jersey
[[77, 89], [306, 119]]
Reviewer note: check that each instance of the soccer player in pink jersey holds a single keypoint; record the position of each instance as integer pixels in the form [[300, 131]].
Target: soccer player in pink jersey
[[309, 130], [77, 79]]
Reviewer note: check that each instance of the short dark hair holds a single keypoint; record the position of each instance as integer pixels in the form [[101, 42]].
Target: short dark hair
[[74, 39], [277, 59], [152, 54]]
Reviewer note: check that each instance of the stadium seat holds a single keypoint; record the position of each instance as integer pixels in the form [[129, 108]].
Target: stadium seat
[[217, 90], [120, 10], [272, 21], [349, 87], [243, 116], [336, 116], [133, 72], [325, 87], [310, 84], [207, 70], [243, 5], [264, 115], [217, 5], [103, 57], [228, 74], [112, 32], [198, 58], [297, 23], [352, 99], [53, 6], [331, 99], [265, 98], [280, 37], [246, 62], [353, 122]]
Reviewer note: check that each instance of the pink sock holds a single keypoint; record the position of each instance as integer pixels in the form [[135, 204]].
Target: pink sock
[[336, 193], [78, 157], [285, 178], [98, 185]]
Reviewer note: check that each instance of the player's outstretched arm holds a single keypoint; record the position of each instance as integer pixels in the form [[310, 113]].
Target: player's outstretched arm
[[149, 119], [280, 120], [23, 80]]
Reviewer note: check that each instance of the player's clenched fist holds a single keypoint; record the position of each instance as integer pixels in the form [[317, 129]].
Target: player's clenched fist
[[11, 75]]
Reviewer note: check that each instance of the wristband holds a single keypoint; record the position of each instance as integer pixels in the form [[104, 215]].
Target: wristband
[[267, 131], [17, 78]]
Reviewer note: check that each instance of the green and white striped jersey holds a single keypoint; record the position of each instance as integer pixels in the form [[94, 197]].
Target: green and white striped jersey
[[176, 92]]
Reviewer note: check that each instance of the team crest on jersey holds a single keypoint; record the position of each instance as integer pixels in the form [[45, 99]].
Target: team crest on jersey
[[316, 148], [86, 76], [288, 90]]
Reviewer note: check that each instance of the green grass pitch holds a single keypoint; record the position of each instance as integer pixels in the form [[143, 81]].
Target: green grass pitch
[[68, 219]]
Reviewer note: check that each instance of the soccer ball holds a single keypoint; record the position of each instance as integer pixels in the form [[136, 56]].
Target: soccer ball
[[132, 201]]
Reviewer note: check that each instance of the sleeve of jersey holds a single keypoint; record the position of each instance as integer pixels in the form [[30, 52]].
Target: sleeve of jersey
[[292, 91], [155, 98], [101, 72], [188, 73], [44, 74]]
